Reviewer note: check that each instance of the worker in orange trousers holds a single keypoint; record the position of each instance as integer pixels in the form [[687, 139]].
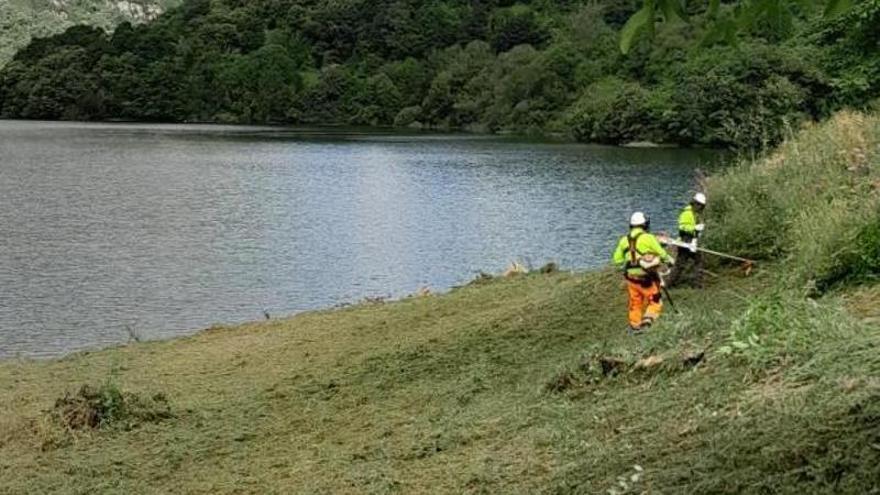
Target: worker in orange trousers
[[640, 255]]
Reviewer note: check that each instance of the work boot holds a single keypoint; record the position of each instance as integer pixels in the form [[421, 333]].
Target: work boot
[[632, 331], [646, 323]]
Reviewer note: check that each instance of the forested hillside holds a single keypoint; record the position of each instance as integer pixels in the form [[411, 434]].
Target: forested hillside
[[21, 20], [535, 66]]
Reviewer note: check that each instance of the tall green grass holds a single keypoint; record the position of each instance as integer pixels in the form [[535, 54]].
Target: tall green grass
[[813, 203]]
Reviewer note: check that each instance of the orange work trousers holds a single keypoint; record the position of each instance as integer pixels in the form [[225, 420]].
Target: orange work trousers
[[645, 303]]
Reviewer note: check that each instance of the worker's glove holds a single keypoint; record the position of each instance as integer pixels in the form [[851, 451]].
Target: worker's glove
[[692, 247], [700, 228]]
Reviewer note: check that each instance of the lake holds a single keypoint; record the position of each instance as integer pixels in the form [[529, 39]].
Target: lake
[[109, 230]]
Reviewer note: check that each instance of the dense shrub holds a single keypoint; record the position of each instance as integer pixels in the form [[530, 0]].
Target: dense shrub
[[377, 101], [853, 57], [407, 116], [745, 95], [612, 111], [516, 25], [812, 204], [751, 214], [858, 260]]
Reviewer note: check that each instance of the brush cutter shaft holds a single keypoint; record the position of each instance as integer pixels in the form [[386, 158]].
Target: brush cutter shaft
[[682, 244], [668, 296], [723, 255]]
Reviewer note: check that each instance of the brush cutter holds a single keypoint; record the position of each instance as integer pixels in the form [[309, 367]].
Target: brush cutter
[[665, 290], [675, 242], [668, 297]]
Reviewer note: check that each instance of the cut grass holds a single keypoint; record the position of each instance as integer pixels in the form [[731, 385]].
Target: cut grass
[[447, 395]]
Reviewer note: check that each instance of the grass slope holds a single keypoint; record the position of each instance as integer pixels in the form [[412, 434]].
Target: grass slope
[[493, 388]]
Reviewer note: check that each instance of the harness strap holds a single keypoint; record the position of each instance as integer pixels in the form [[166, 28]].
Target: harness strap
[[633, 250]]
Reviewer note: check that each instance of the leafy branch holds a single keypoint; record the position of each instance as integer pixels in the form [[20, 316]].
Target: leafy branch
[[746, 14]]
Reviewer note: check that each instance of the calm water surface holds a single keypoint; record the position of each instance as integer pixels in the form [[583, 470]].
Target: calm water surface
[[169, 229]]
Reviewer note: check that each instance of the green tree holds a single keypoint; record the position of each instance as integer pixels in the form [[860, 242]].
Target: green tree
[[516, 25], [377, 102], [775, 16], [262, 85]]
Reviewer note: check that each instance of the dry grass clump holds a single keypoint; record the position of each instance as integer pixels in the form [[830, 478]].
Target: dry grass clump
[[850, 131], [562, 381], [90, 409], [515, 268], [598, 368], [99, 407]]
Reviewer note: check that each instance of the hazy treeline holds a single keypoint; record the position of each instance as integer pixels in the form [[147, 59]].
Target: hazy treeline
[[22, 20]]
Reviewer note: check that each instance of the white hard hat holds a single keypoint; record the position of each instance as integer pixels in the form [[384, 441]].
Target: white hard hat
[[700, 198], [638, 219]]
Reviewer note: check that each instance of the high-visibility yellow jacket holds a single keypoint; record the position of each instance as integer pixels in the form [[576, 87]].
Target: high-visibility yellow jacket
[[644, 243], [687, 223]]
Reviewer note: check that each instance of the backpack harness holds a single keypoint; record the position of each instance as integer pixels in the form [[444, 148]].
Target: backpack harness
[[633, 256], [633, 253]]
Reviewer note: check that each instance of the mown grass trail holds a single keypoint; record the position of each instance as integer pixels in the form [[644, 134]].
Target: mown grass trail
[[446, 394]]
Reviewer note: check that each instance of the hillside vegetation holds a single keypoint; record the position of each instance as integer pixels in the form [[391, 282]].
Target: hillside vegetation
[[533, 66], [22, 20], [765, 383]]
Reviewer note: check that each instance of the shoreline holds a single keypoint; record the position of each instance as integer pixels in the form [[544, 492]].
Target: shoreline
[[540, 137], [364, 301]]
